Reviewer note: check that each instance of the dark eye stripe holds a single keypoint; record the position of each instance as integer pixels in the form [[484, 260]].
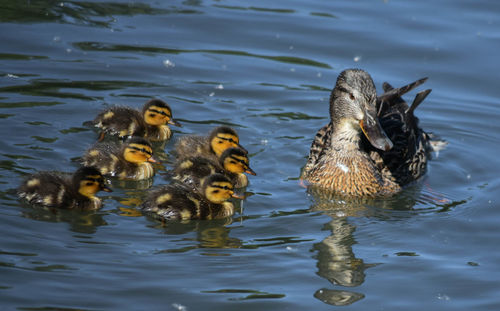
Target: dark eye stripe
[[142, 150], [222, 187], [228, 139], [159, 112], [238, 160]]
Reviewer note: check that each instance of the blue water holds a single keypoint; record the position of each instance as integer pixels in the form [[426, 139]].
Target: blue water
[[265, 68]]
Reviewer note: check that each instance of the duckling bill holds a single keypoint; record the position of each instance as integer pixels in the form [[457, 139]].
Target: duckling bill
[[372, 145], [52, 189]]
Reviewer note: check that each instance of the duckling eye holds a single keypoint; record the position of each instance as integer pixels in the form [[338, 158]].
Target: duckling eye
[[152, 115], [215, 191], [232, 162], [89, 183]]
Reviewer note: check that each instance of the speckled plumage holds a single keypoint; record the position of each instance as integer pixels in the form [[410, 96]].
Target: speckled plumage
[[178, 201], [124, 121], [54, 189], [345, 160], [109, 158]]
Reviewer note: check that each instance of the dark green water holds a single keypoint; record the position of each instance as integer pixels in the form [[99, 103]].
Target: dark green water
[[265, 68]]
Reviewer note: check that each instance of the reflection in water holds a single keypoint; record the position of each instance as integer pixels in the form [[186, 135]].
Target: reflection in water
[[338, 264], [79, 221]]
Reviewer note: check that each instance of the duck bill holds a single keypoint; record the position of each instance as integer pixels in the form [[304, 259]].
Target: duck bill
[[106, 188], [152, 160], [250, 171], [238, 196], [373, 131], [174, 122]]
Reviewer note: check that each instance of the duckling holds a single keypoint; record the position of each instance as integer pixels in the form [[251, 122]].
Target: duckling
[[130, 160], [233, 163], [125, 122], [52, 189], [352, 155], [178, 200], [211, 146]]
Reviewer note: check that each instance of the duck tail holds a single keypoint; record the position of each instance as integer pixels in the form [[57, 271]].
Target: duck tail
[[419, 98], [391, 93]]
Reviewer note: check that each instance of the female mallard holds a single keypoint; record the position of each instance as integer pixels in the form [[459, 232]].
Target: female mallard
[[352, 155], [52, 189], [179, 201], [130, 160], [150, 123], [232, 163], [211, 146]]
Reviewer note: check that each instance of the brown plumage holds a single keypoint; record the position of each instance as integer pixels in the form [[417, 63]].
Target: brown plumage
[[150, 123], [128, 160], [352, 155], [53, 189], [178, 201]]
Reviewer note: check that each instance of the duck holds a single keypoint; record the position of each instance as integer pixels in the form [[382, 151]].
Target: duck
[[130, 160], [178, 201], [373, 145], [151, 123], [232, 163], [211, 146], [63, 191]]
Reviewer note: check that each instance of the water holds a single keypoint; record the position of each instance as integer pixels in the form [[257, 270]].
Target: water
[[267, 70]]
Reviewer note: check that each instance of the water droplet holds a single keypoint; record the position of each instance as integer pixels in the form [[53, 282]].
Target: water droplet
[[219, 87], [357, 58], [211, 94], [167, 63]]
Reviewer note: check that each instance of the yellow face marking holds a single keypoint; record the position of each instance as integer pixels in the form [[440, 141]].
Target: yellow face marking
[[89, 187], [218, 192], [236, 164], [33, 182], [223, 141], [131, 128], [93, 153], [156, 116], [137, 153], [108, 115], [163, 198]]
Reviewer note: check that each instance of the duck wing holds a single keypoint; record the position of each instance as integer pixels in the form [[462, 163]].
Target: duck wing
[[407, 160], [320, 144]]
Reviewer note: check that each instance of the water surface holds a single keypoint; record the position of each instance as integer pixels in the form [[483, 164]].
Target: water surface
[[266, 69]]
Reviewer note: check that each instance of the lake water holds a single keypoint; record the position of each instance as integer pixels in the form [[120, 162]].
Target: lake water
[[265, 68]]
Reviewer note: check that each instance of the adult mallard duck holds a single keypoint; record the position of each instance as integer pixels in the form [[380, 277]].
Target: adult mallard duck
[[53, 189], [211, 146], [150, 123], [130, 160], [372, 145], [179, 201]]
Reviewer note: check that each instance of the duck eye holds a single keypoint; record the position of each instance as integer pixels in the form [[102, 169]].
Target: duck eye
[[232, 162], [89, 183], [351, 96], [215, 191], [152, 115]]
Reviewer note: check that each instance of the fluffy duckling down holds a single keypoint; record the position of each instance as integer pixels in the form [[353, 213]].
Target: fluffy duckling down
[[232, 163], [178, 201], [53, 189], [130, 160], [151, 123], [211, 146]]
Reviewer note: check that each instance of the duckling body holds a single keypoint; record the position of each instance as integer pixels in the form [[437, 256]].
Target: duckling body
[[150, 123], [211, 146], [130, 160], [352, 155], [178, 201], [52, 189], [232, 163]]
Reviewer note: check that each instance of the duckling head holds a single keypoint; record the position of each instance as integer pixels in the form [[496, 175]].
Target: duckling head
[[222, 138], [235, 160], [88, 180], [353, 108], [138, 150], [156, 112], [217, 188]]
